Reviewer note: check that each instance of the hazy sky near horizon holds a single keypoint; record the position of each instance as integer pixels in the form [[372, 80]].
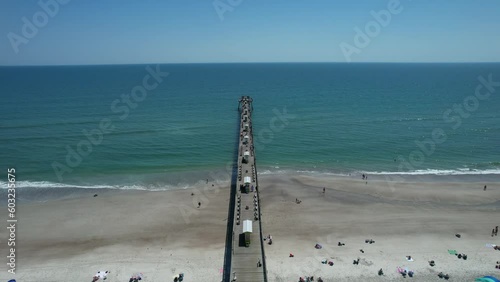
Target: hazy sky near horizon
[[191, 31]]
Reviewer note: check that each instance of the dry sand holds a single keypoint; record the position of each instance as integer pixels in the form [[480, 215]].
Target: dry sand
[[163, 233]]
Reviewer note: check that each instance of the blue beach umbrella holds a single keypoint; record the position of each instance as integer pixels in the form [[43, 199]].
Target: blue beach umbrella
[[492, 278], [487, 279]]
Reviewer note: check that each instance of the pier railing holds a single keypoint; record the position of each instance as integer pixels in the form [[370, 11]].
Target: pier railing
[[226, 275], [260, 219]]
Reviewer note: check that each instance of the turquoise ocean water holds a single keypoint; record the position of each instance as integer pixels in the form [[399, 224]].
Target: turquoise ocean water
[[316, 118]]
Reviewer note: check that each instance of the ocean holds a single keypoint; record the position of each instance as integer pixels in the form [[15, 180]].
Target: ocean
[[79, 127]]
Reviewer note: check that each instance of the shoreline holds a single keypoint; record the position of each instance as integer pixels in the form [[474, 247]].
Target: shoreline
[[162, 233], [45, 191]]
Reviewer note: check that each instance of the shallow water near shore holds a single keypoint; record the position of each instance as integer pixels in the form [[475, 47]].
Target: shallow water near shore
[[339, 119]]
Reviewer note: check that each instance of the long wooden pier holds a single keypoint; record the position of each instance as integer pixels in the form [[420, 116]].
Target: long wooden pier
[[246, 260]]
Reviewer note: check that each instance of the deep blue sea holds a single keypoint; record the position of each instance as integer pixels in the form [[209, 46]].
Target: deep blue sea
[[316, 118]]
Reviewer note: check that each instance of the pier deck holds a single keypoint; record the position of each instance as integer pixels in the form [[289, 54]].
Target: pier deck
[[247, 249]]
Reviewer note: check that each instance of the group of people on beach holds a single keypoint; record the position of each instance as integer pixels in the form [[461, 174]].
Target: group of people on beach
[[365, 178], [103, 275], [179, 278], [135, 278], [269, 239], [309, 279], [100, 275], [494, 232]]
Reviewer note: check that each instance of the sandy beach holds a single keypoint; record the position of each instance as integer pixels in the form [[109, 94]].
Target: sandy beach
[[163, 233]]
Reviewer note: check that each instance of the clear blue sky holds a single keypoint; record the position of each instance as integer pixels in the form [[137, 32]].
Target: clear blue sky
[[190, 31]]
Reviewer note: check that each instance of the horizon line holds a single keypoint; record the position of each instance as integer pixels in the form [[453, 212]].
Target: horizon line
[[222, 63]]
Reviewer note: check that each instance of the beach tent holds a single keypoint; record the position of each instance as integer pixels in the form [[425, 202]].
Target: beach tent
[[247, 230], [245, 126], [246, 155], [245, 139]]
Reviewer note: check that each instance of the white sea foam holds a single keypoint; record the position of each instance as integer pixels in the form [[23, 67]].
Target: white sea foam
[[53, 185], [201, 184], [461, 171]]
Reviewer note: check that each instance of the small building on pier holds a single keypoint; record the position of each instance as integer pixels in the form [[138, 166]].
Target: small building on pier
[[247, 230]]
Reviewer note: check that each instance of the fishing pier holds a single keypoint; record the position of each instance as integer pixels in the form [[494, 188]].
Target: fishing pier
[[245, 259]]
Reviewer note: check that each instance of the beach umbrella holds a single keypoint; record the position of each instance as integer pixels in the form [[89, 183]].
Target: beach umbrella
[[487, 279]]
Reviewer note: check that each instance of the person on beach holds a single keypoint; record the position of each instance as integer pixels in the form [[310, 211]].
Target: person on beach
[[323, 190], [496, 230], [484, 188], [199, 204]]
